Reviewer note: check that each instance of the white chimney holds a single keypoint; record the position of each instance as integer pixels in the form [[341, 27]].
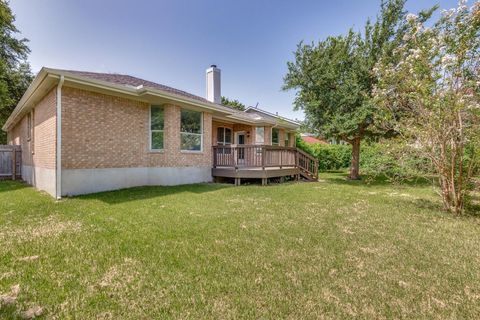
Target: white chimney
[[213, 84]]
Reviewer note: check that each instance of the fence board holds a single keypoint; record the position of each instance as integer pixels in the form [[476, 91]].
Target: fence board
[[7, 158]]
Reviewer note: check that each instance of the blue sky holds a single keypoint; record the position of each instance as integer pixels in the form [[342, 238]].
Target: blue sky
[[173, 42]]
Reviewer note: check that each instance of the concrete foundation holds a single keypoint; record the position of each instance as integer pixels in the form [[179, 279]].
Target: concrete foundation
[[84, 181], [40, 178]]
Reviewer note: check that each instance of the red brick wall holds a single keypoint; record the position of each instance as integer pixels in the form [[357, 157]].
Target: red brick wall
[[40, 149], [103, 131]]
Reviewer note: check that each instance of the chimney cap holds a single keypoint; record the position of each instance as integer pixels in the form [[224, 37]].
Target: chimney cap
[[213, 66]]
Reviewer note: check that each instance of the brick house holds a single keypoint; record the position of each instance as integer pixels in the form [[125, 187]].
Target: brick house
[[84, 132]]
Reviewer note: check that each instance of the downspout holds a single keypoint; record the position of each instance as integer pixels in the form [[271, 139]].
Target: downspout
[[58, 188]]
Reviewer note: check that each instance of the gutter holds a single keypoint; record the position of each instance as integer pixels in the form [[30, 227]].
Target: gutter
[[58, 150]]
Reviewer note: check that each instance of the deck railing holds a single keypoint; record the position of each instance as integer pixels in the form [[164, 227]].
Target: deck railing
[[264, 156]]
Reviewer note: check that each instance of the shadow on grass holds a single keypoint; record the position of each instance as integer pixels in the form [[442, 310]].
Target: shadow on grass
[[341, 177], [10, 312], [9, 185], [149, 192]]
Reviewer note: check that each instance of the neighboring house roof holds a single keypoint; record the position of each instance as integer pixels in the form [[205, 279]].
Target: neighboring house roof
[[133, 87], [312, 140], [266, 114]]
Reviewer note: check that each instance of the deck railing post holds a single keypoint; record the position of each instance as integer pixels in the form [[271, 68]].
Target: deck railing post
[[214, 151], [264, 153]]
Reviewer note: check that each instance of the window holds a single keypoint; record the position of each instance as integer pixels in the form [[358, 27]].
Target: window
[[275, 136], [156, 127], [259, 135], [191, 136], [29, 126], [224, 136], [31, 130], [287, 142]]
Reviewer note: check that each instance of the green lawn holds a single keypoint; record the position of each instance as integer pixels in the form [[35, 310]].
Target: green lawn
[[332, 249]]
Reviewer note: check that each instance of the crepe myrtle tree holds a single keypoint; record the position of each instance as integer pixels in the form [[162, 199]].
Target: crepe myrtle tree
[[430, 94], [334, 80]]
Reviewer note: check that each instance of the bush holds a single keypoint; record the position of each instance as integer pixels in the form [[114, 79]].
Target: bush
[[330, 157], [386, 159]]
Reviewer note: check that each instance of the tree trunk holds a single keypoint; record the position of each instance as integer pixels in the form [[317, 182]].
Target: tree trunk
[[355, 165]]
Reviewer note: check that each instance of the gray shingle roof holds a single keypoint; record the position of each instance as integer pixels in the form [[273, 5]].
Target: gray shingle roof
[[127, 80]]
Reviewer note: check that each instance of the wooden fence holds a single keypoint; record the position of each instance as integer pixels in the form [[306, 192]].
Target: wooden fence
[[10, 162]]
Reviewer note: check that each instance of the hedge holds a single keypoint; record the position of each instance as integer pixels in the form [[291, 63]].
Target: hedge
[[375, 158]]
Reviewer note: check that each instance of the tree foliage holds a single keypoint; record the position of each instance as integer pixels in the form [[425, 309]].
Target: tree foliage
[[15, 73], [429, 92], [334, 78], [233, 104]]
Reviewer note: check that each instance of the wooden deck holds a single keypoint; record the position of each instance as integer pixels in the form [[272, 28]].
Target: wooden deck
[[262, 162]]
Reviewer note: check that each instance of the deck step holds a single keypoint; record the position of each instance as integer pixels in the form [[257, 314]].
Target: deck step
[[308, 176]]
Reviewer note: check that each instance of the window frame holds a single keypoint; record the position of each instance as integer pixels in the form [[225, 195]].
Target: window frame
[[223, 143], [278, 137], [256, 135], [286, 139], [29, 126], [151, 131], [201, 132]]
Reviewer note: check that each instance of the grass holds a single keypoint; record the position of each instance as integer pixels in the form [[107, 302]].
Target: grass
[[333, 249]]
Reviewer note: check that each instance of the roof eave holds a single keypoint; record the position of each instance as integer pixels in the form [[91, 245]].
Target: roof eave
[[26, 98]]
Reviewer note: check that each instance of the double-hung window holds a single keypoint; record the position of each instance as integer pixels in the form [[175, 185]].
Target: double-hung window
[[156, 127], [275, 136], [224, 139], [287, 141], [259, 135], [191, 130]]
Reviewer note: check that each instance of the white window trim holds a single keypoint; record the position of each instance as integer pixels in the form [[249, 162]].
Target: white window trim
[[200, 134], [150, 130]]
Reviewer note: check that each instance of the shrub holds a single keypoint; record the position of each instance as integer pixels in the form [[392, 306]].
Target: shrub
[[330, 157], [386, 158]]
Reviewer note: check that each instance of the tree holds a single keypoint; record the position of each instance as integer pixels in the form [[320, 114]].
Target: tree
[[430, 94], [334, 79], [15, 74], [233, 104]]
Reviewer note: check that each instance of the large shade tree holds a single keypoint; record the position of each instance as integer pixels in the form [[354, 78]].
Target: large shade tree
[[334, 79], [233, 103], [15, 74]]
